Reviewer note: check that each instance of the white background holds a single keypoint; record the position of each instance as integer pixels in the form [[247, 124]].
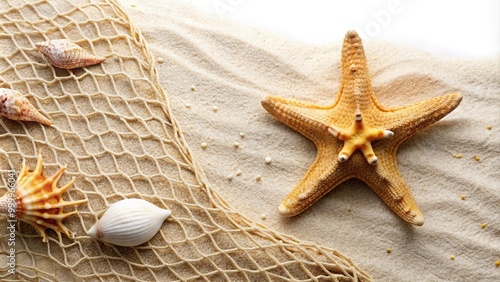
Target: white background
[[469, 28]]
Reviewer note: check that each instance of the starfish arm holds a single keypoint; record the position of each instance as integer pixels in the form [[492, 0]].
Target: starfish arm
[[368, 153], [346, 152], [337, 132], [324, 175], [408, 120], [379, 134], [342, 135], [305, 118], [388, 184], [367, 149]]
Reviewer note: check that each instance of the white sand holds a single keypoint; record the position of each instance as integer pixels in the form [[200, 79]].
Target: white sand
[[211, 63]]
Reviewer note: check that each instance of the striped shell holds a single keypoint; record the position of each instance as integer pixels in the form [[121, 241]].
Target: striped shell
[[129, 222], [13, 105], [38, 201], [67, 55]]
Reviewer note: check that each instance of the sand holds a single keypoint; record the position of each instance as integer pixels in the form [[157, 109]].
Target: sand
[[216, 72]]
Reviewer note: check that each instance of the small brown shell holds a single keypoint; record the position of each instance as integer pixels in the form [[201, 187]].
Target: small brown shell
[[67, 55], [13, 105]]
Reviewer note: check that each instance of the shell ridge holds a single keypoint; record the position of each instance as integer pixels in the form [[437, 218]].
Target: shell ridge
[[46, 215], [61, 204], [48, 182], [124, 219]]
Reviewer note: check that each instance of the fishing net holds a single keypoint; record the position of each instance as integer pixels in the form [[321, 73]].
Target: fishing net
[[114, 131]]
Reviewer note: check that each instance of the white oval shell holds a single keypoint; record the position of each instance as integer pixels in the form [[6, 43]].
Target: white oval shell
[[129, 222]]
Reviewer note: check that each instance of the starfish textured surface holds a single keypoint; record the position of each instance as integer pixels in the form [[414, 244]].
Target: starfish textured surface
[[337, 138]]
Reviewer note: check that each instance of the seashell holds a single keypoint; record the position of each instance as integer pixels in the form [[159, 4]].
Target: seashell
[[129, 222], [67, 55], [38, 201], [13, 105]]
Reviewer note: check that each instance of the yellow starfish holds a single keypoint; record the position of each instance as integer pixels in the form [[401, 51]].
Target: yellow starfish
[[337, 136]]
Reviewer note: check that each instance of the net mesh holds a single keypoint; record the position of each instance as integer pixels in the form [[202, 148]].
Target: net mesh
[[114, 131]]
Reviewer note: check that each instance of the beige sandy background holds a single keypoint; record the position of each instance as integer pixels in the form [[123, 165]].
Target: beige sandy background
[[216, 72]]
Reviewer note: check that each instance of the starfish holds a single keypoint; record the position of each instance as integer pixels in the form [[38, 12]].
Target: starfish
[[348, 126]]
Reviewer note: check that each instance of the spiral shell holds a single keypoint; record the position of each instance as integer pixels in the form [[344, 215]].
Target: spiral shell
[[67, 55], [129, 222], [38, 201], [13, 105]]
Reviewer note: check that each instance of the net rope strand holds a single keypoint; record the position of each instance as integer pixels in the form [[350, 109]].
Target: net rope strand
[[114, 131]]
